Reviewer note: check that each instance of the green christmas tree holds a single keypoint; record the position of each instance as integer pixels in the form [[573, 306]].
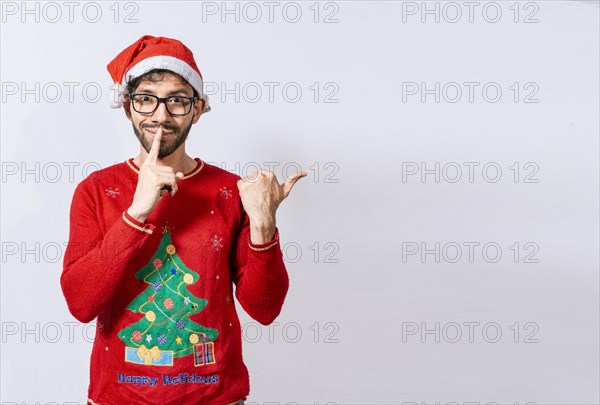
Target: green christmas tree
[[165, 331]]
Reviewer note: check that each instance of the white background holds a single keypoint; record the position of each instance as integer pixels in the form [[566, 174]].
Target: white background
[[362, 199]]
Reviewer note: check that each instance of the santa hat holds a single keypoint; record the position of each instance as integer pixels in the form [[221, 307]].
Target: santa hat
[[148, 53]]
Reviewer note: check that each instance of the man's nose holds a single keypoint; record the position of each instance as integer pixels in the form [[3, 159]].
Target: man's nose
[[161, 114]]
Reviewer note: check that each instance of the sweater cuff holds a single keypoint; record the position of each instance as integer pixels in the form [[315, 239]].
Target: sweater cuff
[[134, 223], [264, 246]]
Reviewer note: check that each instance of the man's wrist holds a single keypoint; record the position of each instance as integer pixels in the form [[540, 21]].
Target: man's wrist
[[261, 233], [131, 211], [267, 245]]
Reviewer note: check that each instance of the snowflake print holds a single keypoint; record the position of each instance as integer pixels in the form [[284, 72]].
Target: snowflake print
[[180, 324], [112, 193], [156, 286], [216, 242], [225, 192], [162, 339]]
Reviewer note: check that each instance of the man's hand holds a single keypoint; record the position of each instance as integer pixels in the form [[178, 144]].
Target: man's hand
[[261, 194], [153, 182]]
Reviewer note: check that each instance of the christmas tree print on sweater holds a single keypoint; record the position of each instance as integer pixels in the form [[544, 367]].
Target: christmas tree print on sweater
[[166, 332]]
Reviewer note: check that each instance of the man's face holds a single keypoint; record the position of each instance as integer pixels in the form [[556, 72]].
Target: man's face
[[175, 128]]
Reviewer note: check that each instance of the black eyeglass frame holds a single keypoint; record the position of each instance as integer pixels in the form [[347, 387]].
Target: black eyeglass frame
[[162, 100]]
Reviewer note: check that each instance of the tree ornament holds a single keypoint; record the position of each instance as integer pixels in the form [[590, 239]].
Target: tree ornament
[[168, 303]]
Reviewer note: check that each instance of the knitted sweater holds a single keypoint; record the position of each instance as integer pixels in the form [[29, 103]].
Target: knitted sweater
[[167, 330]]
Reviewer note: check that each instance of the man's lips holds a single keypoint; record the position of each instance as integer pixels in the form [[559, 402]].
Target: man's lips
[[153, 131]]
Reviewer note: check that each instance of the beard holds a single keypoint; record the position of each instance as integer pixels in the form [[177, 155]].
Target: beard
[[167, 146]]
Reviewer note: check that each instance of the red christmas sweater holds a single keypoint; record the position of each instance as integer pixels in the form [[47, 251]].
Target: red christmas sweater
[[167, 330]]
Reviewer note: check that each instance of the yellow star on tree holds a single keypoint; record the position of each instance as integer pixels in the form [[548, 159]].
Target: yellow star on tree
[[178, 340]]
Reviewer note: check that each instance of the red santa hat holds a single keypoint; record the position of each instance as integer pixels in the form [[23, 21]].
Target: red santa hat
[[148, 53]]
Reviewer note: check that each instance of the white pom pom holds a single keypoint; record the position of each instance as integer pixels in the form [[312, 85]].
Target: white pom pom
[[206, 105], [116, 97]]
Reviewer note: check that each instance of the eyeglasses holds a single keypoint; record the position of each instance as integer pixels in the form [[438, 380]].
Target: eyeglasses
[[148, 103]]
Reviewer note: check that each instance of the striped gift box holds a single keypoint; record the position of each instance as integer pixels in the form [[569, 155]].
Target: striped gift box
[[204, 353]]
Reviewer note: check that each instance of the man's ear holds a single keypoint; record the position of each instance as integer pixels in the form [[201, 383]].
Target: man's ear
[[127, 107], [198, 107]]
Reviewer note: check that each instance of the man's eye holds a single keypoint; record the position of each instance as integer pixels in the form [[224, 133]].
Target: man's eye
[[175, 100], [144, 98]]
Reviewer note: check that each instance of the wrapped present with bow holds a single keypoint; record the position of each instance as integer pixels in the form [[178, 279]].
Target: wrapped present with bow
[[204, 352], [149, 356]]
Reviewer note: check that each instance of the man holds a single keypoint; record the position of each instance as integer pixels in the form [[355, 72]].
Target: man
[[156, 242]]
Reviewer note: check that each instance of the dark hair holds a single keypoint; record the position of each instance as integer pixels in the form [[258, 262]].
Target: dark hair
[[153, 76]]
